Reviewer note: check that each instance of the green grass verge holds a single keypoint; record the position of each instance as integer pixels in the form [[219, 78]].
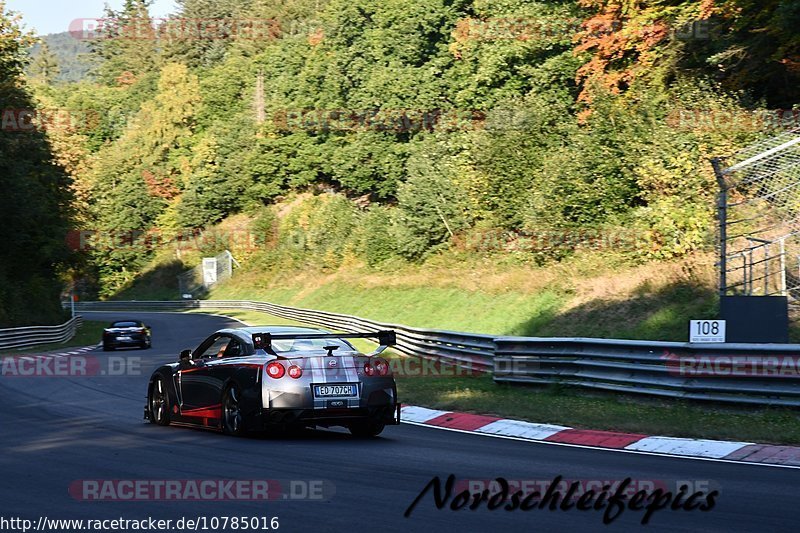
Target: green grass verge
[[660, 315], [431, 307], [90, 332], [654, 311], [591, 295], [580, 409]]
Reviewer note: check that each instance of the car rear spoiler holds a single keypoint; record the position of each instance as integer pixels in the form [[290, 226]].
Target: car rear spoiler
[[263, 341]]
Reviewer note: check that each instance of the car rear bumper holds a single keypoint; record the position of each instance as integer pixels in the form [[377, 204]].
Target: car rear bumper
[[387, 414], [132, 340]]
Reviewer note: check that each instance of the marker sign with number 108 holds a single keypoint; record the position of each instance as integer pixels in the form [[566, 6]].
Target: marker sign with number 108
[[707, 331]]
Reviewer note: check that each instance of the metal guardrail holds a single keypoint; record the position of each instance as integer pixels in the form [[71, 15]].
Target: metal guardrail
[[761, 374], [34, 335], [734, 373], [466, 349]]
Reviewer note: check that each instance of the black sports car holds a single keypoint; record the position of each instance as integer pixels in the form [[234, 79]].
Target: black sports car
[[126, 333], [260, 378]]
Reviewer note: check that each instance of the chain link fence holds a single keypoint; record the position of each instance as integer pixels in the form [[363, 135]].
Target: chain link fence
[[759, 204]]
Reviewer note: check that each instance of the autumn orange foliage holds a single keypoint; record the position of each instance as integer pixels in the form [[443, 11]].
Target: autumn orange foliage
[[625, 37]]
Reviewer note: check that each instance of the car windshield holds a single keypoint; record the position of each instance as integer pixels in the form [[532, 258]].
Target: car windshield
[[304, 345], [125, 324]]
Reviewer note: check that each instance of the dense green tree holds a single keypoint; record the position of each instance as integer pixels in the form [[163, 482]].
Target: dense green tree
[[202, 31], [71, 53], [141, 176], [127, 46], [433, 205], [35, 204], [44, 68], [452, 115]]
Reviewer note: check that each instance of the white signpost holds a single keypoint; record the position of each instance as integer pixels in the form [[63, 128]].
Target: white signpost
[[706, 331]]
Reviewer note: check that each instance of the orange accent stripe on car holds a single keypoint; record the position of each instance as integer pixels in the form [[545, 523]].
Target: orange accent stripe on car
[[215, 411]]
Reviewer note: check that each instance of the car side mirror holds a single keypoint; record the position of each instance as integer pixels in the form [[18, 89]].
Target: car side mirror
[[185, 357]]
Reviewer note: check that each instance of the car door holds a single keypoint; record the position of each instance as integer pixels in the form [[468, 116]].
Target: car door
[[200, 390], [222, 363]]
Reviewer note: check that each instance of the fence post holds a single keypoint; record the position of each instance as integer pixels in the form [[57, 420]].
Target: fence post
[[783, 266], [766, 269], [722, 214]]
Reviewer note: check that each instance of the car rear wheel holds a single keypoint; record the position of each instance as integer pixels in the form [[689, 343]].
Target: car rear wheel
[[369, 428], [232, 419], [159, 403], [107, 348]]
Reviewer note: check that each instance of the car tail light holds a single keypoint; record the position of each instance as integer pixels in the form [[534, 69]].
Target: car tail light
[[275, 370], [295, 371], [369, 369], [141, 330], [381, 366]]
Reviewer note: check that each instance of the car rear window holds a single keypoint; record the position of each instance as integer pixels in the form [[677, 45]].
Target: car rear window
[[124, 324], [304, 345]]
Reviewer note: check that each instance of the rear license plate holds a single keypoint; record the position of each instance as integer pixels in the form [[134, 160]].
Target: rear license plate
[[124, 338], [336, 391]]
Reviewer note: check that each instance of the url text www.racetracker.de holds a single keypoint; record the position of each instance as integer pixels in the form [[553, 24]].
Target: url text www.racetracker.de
[[199, 523]]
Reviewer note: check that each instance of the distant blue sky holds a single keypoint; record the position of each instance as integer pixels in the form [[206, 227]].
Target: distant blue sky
[[54, 16]]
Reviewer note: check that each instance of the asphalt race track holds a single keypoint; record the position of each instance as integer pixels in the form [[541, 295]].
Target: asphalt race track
[[59, 430]]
